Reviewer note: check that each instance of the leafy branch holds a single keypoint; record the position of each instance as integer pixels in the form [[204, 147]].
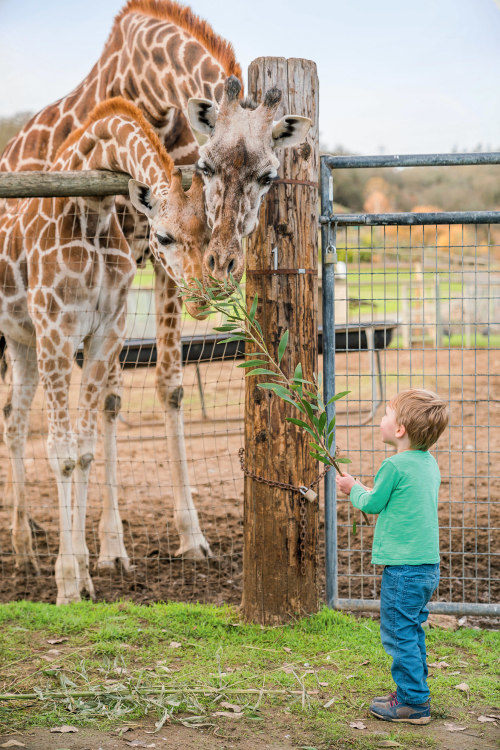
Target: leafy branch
[[227, 298]]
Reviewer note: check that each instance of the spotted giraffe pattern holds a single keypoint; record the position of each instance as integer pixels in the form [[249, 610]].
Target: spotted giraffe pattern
[[170, 63], [65, 271]]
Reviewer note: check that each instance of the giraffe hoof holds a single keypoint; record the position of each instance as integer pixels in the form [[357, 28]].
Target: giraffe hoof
[[104, 566], [198, 552]]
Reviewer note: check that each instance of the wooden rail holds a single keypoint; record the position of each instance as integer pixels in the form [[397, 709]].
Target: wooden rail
[[66, 184]]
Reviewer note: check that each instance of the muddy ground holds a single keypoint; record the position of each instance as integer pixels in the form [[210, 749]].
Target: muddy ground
[[468, 457]]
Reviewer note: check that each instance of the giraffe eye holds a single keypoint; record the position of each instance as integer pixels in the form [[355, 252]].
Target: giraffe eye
[[205, 169], [165, 239], [266, 179]]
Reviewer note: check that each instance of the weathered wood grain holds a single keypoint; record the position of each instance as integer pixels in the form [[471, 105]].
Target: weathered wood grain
[[65, 184], [274, 587]]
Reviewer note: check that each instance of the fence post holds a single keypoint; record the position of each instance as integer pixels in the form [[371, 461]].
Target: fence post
[[279, 572]]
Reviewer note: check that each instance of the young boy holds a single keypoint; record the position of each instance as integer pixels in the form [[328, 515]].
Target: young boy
[[406, 542]]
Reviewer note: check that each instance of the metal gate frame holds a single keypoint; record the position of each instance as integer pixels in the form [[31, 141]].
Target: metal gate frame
[[329, 223]]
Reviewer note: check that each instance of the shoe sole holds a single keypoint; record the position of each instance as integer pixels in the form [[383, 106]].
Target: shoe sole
[[422, 720]]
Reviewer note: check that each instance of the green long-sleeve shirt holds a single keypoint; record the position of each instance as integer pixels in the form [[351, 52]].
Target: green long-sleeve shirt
[[405, 495]]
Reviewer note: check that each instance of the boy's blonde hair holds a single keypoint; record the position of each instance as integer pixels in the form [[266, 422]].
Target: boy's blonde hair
[[423, 414]]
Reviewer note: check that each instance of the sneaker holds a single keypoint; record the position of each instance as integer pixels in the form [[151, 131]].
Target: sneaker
[[392, 710], [384, 698]]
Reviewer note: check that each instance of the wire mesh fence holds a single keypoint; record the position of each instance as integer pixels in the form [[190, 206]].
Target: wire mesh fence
[[415, 306], [147, 471], [439, 286]]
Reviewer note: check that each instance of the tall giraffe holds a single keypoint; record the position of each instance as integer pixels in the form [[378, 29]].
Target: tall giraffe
[[174, 67], [65, 271]]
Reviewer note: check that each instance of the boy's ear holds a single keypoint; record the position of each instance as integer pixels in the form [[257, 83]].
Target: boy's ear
[[401, 431]]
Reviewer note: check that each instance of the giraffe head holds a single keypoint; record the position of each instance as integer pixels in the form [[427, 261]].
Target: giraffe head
[[238, 164], [178, 233]]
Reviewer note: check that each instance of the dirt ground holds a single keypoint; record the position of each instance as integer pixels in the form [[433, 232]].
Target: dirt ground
[[275, 731], [468, 457]]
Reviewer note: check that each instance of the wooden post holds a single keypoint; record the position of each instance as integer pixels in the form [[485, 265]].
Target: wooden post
[[279, 579]]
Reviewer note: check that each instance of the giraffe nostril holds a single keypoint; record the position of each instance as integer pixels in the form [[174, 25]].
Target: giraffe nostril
[[231, 266], [211, 262]]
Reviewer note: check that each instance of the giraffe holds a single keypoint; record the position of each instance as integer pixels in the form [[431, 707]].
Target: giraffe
[[65, 271], [187, 82]]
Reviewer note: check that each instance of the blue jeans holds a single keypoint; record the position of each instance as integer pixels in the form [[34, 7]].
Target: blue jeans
[[404, 594]]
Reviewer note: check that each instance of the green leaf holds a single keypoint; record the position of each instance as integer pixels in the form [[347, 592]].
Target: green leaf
[[226, 327], [297, 375], [337, 396], [236, 337], [330, 441], [343, 460], [282, 345], [320, 458], [301, 424], [309, 411], [257, 326], [253, 309], [331, 425], [263, 371], [253, 363], [322, 422], [354, 527]]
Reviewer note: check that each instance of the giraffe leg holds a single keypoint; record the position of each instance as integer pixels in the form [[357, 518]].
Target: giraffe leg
[[61, 451], [16, 421], [100, 355], [193, 544], [112, 545]]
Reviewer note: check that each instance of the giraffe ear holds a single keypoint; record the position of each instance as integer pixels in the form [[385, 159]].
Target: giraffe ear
[[142, 198], [202, 115], [290, 131]]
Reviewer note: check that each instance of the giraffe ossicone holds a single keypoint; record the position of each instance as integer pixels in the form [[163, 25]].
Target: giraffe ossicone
[[161, 55], [238, 163]]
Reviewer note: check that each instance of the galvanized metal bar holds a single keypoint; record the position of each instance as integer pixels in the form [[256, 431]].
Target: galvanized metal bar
[[70, 184], [438, 608], [410, 219], [328, 258], [410, 160]]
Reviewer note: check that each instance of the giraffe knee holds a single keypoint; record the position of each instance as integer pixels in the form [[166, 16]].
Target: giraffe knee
[[7, 410], [112, 406], [67, 467], [175, 397], [85, 460]]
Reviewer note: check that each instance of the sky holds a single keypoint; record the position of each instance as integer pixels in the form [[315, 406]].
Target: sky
[[396, 76]]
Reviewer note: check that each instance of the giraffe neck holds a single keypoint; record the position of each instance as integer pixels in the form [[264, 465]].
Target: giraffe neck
[[118, 143], [147, 60]]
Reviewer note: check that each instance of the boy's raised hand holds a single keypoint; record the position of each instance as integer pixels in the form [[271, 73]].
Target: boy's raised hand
[[345, 483]]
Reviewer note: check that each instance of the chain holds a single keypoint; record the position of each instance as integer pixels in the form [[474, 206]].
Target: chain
[[273, 483], [301, 490]]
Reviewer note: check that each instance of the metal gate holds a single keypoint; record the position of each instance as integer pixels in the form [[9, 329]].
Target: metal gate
[[419, 297]]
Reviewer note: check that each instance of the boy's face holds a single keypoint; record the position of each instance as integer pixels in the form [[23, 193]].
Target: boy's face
[[390, 430]]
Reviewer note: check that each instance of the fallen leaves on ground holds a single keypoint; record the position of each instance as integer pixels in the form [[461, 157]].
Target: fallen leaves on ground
[[484, 719], [438, 664], [54, 641], [463, 687], [388, 743], [13, 743], [453, 727], [357, 725], [231, 707]]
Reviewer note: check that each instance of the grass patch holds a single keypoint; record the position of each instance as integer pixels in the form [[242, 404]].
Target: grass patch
[[121, 661]]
